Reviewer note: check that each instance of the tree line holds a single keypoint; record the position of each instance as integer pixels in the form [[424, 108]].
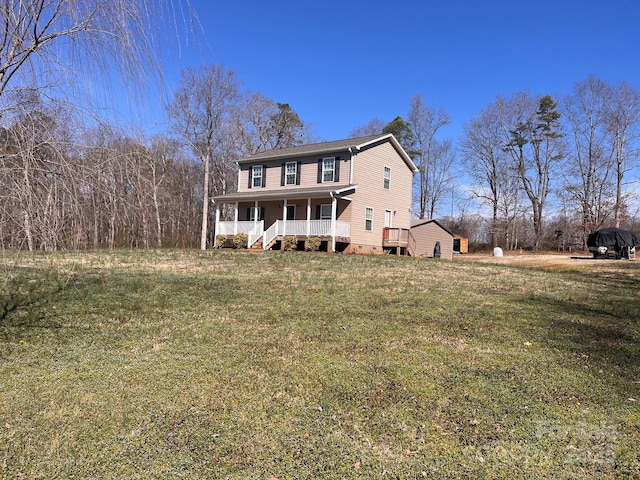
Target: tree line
[[548, 170], [72, 179], [67, 185]]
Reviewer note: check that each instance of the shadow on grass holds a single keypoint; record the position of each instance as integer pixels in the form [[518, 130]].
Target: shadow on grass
[[26, 290], [32, 298], [606, 334]]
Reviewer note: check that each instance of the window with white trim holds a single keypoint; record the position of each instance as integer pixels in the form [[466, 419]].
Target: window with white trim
[[387, 178], [325, 212], [328, 169], [290, 169], [368, 219], [256, 175]]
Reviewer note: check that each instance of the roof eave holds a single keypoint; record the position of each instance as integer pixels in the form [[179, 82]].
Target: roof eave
[[282, 194], [293, 155], [328, 150]]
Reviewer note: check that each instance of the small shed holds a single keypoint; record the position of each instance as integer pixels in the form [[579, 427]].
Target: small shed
[[460, 244], [429, 233]]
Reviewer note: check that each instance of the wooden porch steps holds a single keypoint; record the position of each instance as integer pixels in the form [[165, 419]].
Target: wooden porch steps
[[258, 245]]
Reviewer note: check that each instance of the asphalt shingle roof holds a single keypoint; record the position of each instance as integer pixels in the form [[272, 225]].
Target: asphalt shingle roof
[[312, 148]]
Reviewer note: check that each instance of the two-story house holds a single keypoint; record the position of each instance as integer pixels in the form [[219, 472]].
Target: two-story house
[[355, 195]]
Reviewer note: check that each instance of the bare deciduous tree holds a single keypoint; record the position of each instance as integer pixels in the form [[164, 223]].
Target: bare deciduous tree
[[624, 127], [496, 182], [48, 38], [374, 127], [439, 180], [433, 159], [589, 163], [200, 108], [253, 123], [263, 124], [535, 145]]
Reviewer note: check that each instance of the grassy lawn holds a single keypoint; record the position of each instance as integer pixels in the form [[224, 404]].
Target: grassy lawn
[[174, 364]]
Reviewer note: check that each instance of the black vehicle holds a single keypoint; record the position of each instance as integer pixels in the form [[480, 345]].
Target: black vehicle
[[610, 242]]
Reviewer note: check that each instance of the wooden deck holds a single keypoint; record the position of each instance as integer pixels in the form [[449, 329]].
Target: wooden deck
[[399, 239]]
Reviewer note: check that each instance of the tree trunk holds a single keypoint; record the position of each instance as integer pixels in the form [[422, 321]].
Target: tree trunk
[[205, 203]]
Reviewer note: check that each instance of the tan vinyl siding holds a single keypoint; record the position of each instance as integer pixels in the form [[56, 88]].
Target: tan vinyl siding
[[427, 234], [308, 172], [368, 172]]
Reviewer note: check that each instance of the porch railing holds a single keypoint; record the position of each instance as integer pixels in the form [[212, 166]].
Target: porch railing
[[254, 230], [304, 228], [232, 228]]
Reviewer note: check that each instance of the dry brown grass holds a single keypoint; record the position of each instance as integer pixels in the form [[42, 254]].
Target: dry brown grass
[[551, 260], [227, 364]]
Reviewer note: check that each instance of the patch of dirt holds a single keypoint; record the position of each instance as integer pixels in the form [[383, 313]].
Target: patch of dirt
[[549, 260]]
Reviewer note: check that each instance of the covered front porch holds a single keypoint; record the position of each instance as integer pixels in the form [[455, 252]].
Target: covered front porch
[[303, 213], [259, 237]]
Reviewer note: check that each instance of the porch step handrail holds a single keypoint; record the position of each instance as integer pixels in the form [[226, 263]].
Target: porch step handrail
[[411, 245], [270, 234], [255, 233]]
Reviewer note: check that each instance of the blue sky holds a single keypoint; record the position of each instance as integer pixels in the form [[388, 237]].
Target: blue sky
[[340, 64]]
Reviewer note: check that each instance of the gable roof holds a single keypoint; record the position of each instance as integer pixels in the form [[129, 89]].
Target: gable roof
[[359, 143], [421, 221]]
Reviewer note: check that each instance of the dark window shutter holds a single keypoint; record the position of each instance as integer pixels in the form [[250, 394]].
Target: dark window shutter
[[318, 212], [298, 170], [282, 174], [320, 171], [264, 175], [248, 213], [336, 165], [250, 176], [261, 213]]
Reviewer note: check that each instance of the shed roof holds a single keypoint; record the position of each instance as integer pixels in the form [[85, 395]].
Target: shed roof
[[422, 221]]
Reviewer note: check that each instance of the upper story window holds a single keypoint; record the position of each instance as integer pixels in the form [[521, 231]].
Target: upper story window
[[290, 173], [387, 178], [256, 176], [329, 169]]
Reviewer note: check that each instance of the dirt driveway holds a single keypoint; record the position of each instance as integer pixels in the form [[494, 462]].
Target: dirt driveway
[[549, 260]]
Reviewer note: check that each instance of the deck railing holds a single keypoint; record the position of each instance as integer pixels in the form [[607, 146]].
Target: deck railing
[[396, 236]]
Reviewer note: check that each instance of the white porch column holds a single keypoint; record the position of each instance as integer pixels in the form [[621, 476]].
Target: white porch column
[[217, 226], [308, 217], [235, 219], [255, 212], [284, 217], [334, 212]]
